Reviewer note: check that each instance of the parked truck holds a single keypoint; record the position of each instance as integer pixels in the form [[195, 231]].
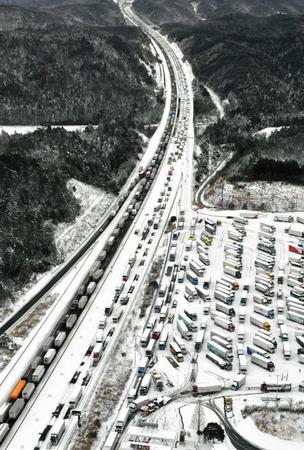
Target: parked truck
[[238, 381], [283, 218], [220, 334], [262, 362], [219, 350], [223, 297], [191, 290], [225, 309], [233, 272], [264, 311], [264, 344], [224, 323], [261, 323], [204, 295], [184, 332], [200, 389]]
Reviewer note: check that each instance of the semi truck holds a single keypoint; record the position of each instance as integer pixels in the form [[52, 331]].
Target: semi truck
[[59, 339], [28, 391], [70, 321], [235, 236], [295, 317], [233, 272], [250, 349], [75, 396], [38, 374], [191, 290], [222, 342], [264, 344], [223, 297], [238, 381], [188, 322], [200, 389], [225, 309], [221, 335], [4, 429], [261, 323], [57, 431], [16, 408], [275, 387], [49, 356], [219, 350], [184, 332], [218, 361], [268, 336], [295, 231], [204, 295], [283, 218], [262, 362], [264, 310], [224, 323]]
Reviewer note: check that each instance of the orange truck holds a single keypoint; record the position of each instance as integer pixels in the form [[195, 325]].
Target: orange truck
[[18, 389]]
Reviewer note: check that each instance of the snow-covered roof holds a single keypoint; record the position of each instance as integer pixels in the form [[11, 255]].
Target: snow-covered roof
[[152, 433]]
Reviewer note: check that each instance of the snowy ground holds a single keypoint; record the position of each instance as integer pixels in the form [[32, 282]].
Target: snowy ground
[[261, 195], [267, 132], [94, 203], [24, 129]]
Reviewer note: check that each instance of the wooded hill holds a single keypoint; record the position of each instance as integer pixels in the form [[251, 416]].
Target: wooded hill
[[65, 65]]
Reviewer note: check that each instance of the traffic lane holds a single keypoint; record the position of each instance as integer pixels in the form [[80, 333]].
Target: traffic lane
[[238, 441]]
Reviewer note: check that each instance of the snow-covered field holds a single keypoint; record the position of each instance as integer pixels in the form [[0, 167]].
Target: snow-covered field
[[260, 195], [24, 129], [94, 203]]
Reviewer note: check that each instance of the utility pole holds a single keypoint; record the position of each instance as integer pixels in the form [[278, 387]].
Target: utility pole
[[199, 418]]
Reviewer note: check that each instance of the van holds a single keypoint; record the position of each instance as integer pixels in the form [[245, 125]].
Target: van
[[102, 322], [75, 396], [49, 356], [38, 374], [28, 391], [117, 317]]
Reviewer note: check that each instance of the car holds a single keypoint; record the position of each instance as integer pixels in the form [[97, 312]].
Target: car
[[111, 331], [174, 303], [142, 262], [75, 377], [131, 289], [150, 241], [171, 318], [58, 410], [136, 276], [146, 252], [186, 258], [124, 300], [280, 293]]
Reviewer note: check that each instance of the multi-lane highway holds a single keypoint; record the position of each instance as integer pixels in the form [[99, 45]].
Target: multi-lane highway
[[168, 192]]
